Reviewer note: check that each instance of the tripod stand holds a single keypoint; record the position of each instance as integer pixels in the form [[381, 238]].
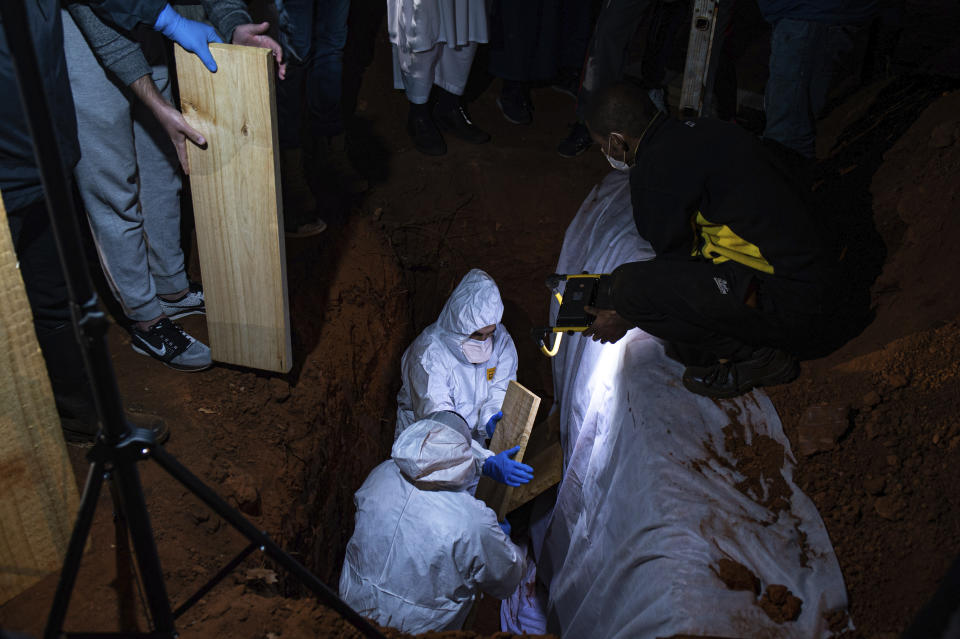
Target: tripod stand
[[119, 446]]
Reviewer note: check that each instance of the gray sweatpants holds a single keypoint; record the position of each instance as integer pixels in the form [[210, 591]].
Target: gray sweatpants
[[129, 181]]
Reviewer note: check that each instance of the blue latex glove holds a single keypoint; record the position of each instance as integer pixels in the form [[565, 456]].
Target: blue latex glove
[[505, 527], [192, 36], [491, 425], [503, 469]]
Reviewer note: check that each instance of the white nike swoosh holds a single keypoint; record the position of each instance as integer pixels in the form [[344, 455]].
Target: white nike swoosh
[[158, 353]]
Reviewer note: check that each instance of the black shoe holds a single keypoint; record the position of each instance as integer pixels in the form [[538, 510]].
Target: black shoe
[[298, 224], [766, 367], [515, 106], [78, 416], [576, 142], [336, 161], [567, 82], [167, 342], [299, 205], [149, 421], [457, 122], [426, 136], [85, 432]]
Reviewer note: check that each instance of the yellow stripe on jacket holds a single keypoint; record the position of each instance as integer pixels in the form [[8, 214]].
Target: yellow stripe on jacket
[[720, 244]]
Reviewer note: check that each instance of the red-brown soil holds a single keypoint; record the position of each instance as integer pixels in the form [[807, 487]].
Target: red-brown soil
[[290, 450], [887, 487]]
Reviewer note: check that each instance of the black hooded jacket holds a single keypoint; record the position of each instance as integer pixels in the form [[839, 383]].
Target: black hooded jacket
[[708, 189]]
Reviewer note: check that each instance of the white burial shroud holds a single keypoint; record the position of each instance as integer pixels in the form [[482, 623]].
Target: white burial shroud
[[650, 502]]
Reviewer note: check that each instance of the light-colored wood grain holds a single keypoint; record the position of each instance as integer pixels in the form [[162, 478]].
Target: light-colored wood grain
[[235, 184], [519, 410], [38, 499]]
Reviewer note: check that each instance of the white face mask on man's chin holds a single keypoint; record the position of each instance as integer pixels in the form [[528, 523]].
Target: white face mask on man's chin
[[619, 165], [475, 351]]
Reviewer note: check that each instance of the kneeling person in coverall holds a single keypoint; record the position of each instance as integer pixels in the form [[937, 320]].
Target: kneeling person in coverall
[[463, 363], [741, 279], [423, 546]]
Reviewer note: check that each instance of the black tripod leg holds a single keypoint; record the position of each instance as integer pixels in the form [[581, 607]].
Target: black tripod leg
[[326, 596], [126, 478], [71, 562], [124, 585]]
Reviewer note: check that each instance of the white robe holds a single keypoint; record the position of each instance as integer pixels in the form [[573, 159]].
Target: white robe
[[417, 25], [434, 42]]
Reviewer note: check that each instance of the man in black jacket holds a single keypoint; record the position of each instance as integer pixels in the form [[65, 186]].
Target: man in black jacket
[[740, 281]]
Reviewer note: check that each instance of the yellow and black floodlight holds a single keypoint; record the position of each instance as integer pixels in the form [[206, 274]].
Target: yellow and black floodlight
[[582, 290]]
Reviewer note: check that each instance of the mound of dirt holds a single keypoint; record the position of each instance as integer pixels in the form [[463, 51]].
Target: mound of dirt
[[877, 423]]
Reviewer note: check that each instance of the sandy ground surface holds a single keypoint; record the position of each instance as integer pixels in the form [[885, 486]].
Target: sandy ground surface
[[874, 424]]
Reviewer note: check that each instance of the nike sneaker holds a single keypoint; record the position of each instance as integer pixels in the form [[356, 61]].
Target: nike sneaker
[[190, 303], [167, 342]]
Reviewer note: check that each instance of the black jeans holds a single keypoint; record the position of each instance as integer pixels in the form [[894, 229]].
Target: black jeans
[[46, 288], [532, 40], [703, 305], [40, 266]]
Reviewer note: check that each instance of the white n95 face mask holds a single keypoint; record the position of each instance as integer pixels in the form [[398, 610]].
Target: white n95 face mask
[[477, 352], [619, 165]]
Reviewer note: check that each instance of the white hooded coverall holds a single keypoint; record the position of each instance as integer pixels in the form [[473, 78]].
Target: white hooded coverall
[[423, 546], [436, 374]]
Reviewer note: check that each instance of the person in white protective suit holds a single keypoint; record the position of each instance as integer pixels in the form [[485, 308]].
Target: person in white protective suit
[[463, 363], [434, 42], [423, 546]]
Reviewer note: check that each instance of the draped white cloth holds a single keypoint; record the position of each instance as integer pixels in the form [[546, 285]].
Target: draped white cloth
[[649, 501]]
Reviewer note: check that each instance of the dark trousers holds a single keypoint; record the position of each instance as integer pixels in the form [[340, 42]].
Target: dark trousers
[[804, 57], [40, 266], [530, 41], [616, 25], [43, 279], [702, 305], [363, 25], [318, 38]]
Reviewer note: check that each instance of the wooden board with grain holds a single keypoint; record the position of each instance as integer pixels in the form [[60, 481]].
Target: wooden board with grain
[[39, 501], [235, 185], [548, 471], [519, 410]]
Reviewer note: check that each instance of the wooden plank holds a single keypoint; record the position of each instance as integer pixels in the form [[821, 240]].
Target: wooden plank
[[544, 434], [548, 471], [39, 500], [519, 410], [235, 185]]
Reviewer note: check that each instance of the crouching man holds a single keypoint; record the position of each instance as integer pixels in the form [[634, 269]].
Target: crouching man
[[423, 546], [742, 278]]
